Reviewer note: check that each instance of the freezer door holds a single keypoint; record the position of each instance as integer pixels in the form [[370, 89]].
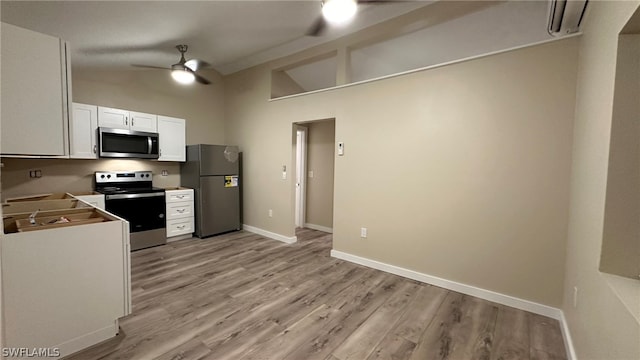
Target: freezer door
[[213, 162], [219, 205]]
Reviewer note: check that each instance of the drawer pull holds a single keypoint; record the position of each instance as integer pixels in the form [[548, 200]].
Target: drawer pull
[[180, 227], [181, 210], [180, 196]]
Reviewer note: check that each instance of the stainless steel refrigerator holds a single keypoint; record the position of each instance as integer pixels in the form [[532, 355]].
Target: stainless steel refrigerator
[[213, 172]]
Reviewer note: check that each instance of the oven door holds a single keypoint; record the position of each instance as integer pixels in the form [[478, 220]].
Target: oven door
[[144, 211]]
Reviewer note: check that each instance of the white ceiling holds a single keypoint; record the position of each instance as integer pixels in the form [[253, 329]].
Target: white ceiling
[[230, 35]]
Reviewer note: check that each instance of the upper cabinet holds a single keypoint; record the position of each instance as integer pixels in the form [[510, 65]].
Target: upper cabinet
[[83, 126], [172, 139], [125, 119], [35, 92]]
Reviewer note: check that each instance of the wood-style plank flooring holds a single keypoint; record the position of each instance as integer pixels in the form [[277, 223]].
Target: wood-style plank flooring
[[243, 296]]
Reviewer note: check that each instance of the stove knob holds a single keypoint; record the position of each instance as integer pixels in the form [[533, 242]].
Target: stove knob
[[102, 176], [108, 176], [148, 175]]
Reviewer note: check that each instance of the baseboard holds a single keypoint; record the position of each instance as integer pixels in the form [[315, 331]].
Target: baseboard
[[87, 340], [269, 234], [179, 237], [319, 228], [489, 295], [566, 335]]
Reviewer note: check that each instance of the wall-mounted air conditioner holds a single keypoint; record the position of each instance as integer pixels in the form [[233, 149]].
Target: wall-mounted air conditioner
[[565, 16]]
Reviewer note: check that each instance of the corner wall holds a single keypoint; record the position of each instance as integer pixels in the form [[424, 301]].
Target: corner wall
[[601, 326], [460, 172]]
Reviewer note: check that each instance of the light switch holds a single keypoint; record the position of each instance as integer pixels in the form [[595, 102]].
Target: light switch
[[340, 148]]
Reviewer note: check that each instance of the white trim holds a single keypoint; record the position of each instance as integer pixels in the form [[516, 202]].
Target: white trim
[[87, 340], [319, 228], [566, 335], [503, 299], [269, 234], [474, 57]]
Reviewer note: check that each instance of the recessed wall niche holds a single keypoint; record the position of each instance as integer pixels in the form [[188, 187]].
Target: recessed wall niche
[[312, 74], [620, 253]]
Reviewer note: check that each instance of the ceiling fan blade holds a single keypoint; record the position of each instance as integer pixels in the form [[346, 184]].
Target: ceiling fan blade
[[318, 27], [150, 67], [195, 64], [201, 79]]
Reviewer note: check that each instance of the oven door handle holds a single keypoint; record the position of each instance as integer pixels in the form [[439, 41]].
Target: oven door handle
[[132, 196]]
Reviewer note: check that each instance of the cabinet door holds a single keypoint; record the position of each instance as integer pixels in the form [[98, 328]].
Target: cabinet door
[[143, 122], [172, 132], [113, 118], [34, 110], [83, 127]]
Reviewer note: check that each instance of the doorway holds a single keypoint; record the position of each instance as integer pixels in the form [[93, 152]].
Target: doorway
[[314, 159]]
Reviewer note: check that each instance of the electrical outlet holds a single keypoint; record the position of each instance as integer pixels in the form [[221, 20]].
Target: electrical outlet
[[575, 296], [363, 232], [35, 174], [311, 174], [165, 173], [270, 213]]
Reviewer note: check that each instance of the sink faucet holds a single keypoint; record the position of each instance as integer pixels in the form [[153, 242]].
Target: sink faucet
[[32, 217]]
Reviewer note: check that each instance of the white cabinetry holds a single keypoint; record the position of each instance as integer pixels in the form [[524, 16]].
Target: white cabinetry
[[180, 218], [125, 119], [65, 287], [96, 200], [34, 93], [172, 139], [83, 126]]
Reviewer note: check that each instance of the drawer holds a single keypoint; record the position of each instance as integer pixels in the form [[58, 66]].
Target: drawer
[[176, 210], [179, 195], [179, 227]]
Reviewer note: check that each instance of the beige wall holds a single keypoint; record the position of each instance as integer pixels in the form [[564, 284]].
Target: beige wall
[[460, 172], [63, 175], [153, 91], [601, 326], [320, 160], [621, 239]]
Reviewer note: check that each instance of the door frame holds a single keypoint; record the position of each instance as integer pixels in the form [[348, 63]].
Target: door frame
[[300, 180]]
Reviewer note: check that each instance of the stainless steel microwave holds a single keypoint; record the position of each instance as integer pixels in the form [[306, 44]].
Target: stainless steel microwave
[[120, 143]]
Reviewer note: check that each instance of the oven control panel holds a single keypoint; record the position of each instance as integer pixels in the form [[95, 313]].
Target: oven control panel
[[123, 176]]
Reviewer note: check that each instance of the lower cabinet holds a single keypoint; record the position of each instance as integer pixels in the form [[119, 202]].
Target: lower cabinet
[[179, 212], [94, 200], [65, 287]]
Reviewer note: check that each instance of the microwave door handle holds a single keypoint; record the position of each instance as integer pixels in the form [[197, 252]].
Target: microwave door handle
[[150, 143]]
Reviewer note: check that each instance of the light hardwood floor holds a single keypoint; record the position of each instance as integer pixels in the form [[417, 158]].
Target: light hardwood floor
[[242, 296]]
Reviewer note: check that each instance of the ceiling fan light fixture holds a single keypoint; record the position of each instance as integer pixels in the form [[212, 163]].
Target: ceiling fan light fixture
[[339, 11], [183, 76]]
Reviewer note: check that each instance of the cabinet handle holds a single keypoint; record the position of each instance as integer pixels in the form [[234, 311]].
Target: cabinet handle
[[126, 120], [95, 149], [180, 196], [180, 210], [180, 227], [132, 124]]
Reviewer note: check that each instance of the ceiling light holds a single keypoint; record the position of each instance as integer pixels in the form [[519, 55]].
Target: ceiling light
[[182, 76], [339, 11]]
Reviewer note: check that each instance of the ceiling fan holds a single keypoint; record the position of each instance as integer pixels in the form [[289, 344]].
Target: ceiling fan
[[337, 12], [184, 71]]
